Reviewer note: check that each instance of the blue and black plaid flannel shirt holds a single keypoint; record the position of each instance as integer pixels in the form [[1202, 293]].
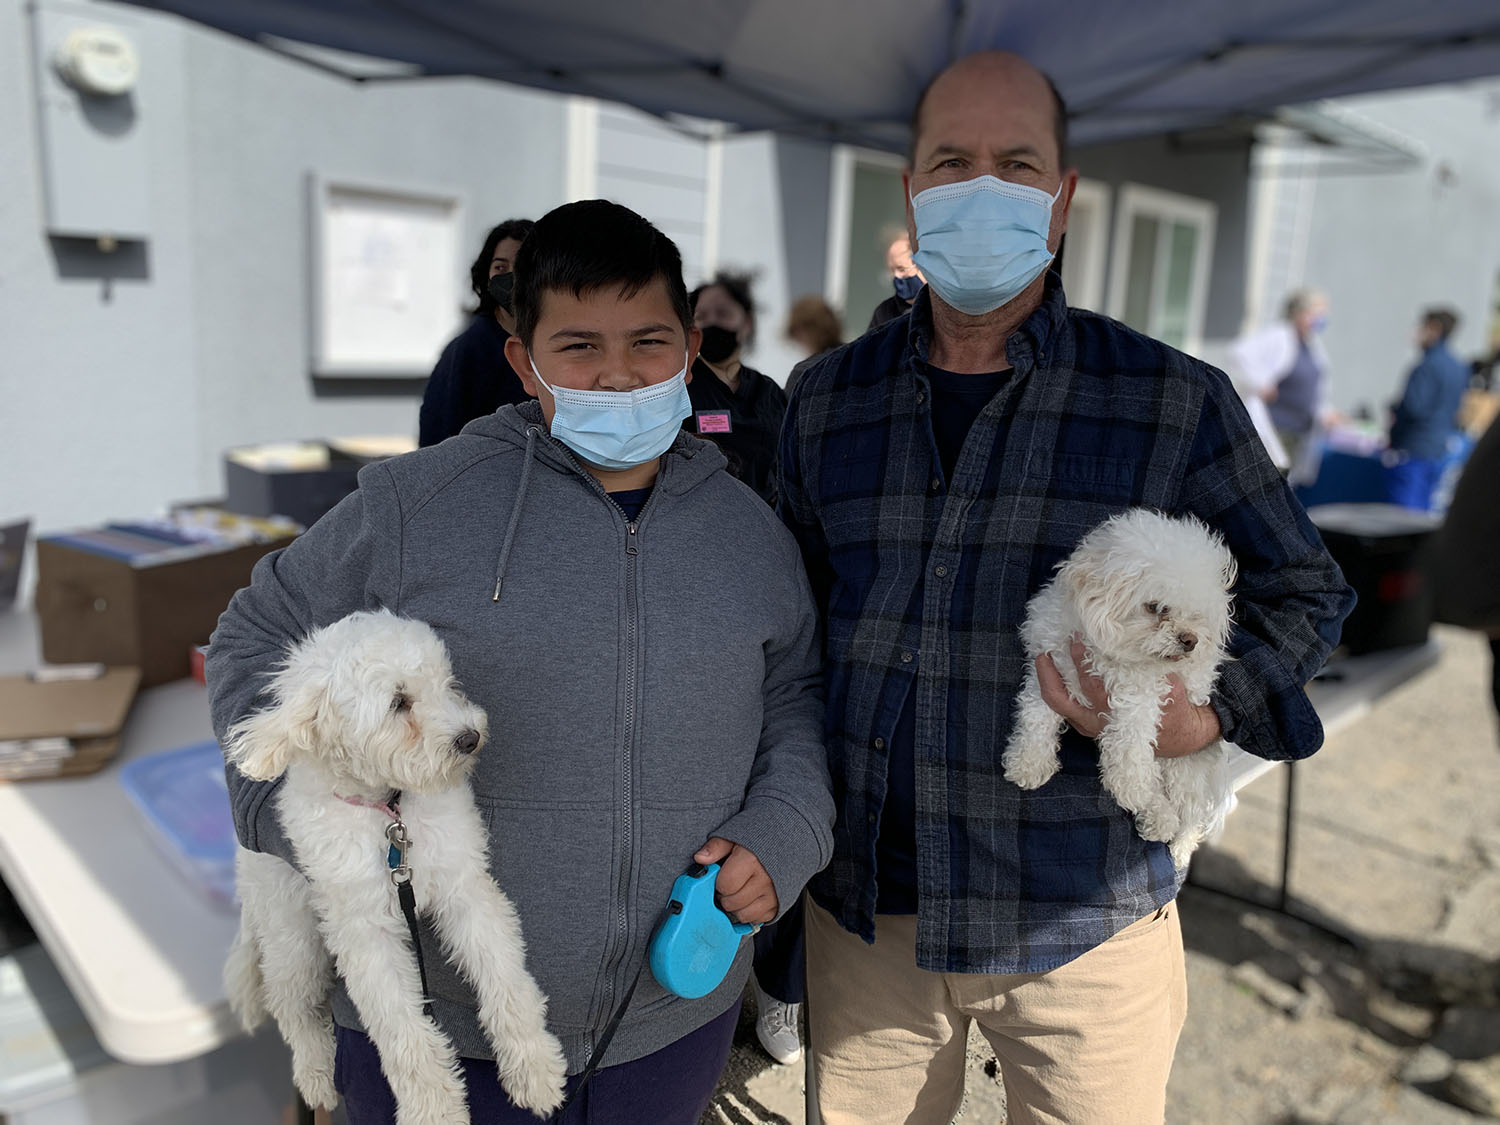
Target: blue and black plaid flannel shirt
[[925, 581]]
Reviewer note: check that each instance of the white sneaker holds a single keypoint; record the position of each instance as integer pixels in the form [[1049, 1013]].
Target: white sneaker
[[776, 1026]]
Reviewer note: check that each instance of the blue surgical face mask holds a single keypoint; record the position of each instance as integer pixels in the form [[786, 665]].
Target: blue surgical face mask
[[980, 242], [619, 429], [907, 287]]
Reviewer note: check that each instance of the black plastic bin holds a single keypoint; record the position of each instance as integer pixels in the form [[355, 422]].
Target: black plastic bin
[[1383, 551]]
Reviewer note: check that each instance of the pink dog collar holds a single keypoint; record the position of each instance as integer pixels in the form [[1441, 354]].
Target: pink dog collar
[[390, 806]]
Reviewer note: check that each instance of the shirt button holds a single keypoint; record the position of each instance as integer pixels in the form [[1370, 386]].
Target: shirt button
[[921, 397], [871, 818], [906, 658], [880, 744], [936, 484], [940, 570]]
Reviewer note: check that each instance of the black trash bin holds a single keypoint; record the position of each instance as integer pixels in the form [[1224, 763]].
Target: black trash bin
[[1384, 552]]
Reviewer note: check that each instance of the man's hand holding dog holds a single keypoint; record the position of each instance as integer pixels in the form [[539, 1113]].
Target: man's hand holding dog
[[1185, 728], [744, 889]]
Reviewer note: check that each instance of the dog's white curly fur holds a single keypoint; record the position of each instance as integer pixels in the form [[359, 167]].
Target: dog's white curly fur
[[1149, 596], [362, 707]]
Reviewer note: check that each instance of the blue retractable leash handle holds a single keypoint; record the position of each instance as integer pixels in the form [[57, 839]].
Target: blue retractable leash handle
[[690, 955], [696, 943]]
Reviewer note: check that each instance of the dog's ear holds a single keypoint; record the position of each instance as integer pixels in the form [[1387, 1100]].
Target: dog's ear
[[260, 746], [264, 744], [1103, 596]]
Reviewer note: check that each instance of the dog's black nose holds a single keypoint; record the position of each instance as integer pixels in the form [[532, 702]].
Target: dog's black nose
[[467, 742], [1187, 641]]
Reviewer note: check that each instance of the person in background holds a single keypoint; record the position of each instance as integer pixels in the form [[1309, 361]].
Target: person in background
[[741, 410], [1283, 377], [814, 327], [734, 405], [1466, 554], [906, 279], [1426, 416], [472, 377]]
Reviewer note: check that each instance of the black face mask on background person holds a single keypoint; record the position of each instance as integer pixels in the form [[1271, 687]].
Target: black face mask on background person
[[718, 344], [501, 286], [908, 287]]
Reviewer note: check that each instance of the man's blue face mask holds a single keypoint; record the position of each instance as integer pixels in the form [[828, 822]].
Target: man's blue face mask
[[980, 242], [619, 429]]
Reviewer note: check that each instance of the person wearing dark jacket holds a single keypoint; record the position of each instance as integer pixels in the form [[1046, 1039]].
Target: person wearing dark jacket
[[906, 280], [734, 405], [1466, 553], [1426, 416], [472, 377]]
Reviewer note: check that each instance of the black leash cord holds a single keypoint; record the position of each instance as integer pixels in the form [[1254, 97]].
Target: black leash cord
[[408, 902], [604, 1039]]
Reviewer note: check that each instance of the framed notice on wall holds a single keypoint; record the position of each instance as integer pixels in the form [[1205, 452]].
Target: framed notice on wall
[[386, 278]]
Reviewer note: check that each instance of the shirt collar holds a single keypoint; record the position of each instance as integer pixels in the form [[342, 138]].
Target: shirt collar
[[1026, 344]]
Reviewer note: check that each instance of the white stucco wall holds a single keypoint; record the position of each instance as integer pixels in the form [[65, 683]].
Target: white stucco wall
[[123, 377]]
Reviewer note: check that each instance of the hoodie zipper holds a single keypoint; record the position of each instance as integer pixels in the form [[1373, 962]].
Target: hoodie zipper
[[632, 683]]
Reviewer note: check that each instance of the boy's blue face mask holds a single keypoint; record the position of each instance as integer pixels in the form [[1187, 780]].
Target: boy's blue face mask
[[980, 242], [619, 429]]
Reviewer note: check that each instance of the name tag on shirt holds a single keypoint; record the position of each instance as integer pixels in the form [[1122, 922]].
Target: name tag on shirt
[[713, 421]]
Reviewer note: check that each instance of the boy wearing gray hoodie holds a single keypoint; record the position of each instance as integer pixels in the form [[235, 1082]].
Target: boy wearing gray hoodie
[[638, 626]]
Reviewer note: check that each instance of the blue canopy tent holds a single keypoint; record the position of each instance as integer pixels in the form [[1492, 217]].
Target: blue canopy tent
[[850, 70]]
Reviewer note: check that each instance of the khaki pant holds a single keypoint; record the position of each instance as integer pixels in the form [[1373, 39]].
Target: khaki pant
[[1089, 1043]]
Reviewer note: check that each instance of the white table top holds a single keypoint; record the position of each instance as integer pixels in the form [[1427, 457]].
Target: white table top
[[141, 948], [1345, 694]]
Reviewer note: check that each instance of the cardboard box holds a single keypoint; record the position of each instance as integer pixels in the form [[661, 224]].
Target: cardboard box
[[147, 611], [81, 707]]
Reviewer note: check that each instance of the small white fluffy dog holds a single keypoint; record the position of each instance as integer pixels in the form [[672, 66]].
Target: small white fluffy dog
[[362, 710], [1149, 596]]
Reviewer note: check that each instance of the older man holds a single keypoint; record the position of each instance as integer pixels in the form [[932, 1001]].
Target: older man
[[935, 472]]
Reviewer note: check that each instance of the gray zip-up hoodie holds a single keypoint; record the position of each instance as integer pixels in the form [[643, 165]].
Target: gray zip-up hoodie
[[648, 684]]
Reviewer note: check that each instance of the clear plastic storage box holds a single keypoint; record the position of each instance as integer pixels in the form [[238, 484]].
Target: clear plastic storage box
[[185, 801]]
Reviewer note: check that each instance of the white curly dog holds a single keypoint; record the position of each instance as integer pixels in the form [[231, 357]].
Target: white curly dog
[[371, 729], [1149, 597]]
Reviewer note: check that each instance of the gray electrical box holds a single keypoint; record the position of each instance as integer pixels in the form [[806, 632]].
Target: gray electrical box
[[92, 90]]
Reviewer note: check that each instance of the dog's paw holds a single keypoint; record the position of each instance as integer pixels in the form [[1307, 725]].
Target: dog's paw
[[1029, 772], [1182, 849], [434, 1109], [1157, 824], [315, 1084], [534, 1073]]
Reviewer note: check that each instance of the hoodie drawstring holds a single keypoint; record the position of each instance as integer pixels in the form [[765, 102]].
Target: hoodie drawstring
[[515, 512]]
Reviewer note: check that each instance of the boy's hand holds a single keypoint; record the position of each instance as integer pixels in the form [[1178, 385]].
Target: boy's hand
[[744, 889]]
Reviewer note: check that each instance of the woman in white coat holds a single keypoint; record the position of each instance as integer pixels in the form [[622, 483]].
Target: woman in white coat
[[1282, 374]]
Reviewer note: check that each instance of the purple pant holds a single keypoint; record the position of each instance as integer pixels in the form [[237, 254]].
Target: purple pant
[[673, 1086]]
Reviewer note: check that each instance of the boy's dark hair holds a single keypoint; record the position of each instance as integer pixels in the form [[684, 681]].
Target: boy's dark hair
[[737, 285], [1444, 320], [479, 272], [583, 247]]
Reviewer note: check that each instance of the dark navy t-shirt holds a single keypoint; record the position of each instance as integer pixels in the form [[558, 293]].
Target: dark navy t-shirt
[[631, 501], [956, 401]]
